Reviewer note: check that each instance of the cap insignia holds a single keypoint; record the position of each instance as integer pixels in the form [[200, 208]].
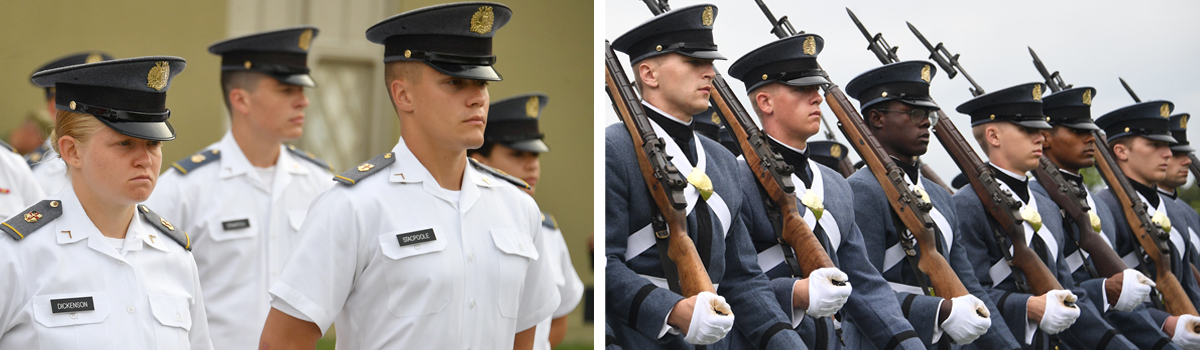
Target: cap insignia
[[925, 73], [305, 39], [715, 119], [93, 58], [1037, 92], [1183, 122], [531, 107], [810, 46], [706, 18], [1165, 110], [1087, 97], [481, 21], [836, 150], [157, 79]]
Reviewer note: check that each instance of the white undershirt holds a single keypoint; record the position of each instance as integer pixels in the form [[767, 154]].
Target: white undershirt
[[267, 175], [115, 243]]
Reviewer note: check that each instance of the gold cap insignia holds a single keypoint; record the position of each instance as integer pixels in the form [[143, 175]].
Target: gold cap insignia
[[925, 73], [196, 158], [1183, 122], [1037, 92], [1087, 97], [157, 79], [1165, 110], [167, 224], [32, 217], [366, 166], [716, 119], [706, 18], [93, 58], [835, 151], [481, 21], [531, 107], [305, 39], [810, 46]]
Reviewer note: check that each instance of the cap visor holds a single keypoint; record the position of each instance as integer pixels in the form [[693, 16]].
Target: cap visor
[[1081, 126], [466, 71], [295, 79], [807, 81], [1036, 124], [921, 103], [154, 131], [705, 54], [1161, 137], [535, 146], [1182, 148]]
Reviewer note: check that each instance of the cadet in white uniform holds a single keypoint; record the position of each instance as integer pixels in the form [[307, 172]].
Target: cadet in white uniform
[[50, 171], [512, 144], [418, 248], [89, 268], [18, 188], [243, 198]]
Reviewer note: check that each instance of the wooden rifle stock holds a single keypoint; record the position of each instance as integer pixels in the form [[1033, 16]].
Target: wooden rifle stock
[[1151, 237], [912, 210], [1073, 203], [662, 179]]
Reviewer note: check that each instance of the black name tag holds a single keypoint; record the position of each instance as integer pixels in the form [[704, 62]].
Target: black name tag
[[72, 305], [415, 237], [236, 224]]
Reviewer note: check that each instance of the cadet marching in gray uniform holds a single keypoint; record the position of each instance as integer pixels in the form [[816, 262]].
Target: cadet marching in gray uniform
[[639, 299], [1176, 205]]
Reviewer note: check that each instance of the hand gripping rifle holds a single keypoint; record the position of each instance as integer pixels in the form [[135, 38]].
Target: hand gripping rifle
[[998, 203], [663, 180], [774, 175], [1073, 200], [1195, 166]]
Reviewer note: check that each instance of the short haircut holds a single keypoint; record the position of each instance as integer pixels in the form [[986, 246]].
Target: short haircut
[[981, 137], [244, 80], [484, 151], [1126, 141]]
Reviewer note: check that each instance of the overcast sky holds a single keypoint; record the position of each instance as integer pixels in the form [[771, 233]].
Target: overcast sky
[[1152, 44]]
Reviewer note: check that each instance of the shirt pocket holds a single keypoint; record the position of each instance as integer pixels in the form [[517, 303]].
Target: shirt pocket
[[296, 218], [68, 330], [232, 228], [517, 252], [416, 285], [174, 315]]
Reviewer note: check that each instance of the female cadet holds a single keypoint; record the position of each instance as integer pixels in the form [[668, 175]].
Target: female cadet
[[88, 267]]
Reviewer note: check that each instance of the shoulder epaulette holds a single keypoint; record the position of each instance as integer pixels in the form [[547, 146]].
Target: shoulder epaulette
[[309, 157], [36, 156], [374, 165], [32, 218], [165, 227], [197, 160], [548, 221], [500, 174]]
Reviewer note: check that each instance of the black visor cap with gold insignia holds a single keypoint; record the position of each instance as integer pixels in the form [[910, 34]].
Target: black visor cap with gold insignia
[[281, 54], [827, 152], [1179, 133], [1021, 105], [1071, 108], [707, 124], [454, 39], [685, 30], [71, 60], [128, 95], [907, 82], [513, 122], [1149, 119], [791, 61]]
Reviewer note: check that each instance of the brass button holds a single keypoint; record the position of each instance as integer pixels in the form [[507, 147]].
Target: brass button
[[407, 53], [54, 204], [72, 104], [658, 48]]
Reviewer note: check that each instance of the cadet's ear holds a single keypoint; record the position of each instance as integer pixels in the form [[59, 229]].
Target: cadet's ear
[[647, 74], [69, 151], [992, 134], [875, 118], [239, 101], [1120, 151], [763, 100], [400, 94]]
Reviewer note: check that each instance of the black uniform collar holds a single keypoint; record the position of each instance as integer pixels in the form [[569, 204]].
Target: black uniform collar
[[1172, 194], [676, 129], [795, 158], [1020, 187], [1150, 193], [1075, 179], [913, 171]]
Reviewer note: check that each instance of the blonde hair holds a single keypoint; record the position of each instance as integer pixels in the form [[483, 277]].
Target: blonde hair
[[981, 137], [76, 125]]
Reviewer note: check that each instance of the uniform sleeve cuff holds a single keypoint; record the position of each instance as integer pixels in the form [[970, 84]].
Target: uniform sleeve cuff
[[1030, 328], [283, 294], [937, 328]]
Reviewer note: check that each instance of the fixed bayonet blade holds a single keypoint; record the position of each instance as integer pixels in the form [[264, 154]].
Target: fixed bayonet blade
[[1130, 90]]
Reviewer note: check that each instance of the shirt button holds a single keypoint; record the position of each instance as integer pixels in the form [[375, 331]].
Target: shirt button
[[130, 309], [73, 315], [472, 304], [417, 247], [471, 257], [178, 317], [120, 262]]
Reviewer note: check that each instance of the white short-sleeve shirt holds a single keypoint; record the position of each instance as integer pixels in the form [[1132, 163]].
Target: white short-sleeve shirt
[[244, 228], [566, 280], [396, 265], [147, 296], [18, 188]]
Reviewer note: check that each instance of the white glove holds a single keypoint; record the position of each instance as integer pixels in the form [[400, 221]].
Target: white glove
[[825, 297], [1135, 288], [707, 325], [1058, 316], [1185, 332], [968, 319]]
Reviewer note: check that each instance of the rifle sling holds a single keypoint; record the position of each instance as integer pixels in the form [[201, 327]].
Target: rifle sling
[[906, 242], [662, 240], [776, 218]]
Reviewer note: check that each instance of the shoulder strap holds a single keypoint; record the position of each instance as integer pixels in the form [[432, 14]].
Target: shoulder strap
[[548, 221], [197, 160], [165, 227], [36, 155], [498, 173], [309, 157], [32, 218], [372, 166]]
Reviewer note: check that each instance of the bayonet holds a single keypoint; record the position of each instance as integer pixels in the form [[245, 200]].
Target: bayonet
[[949, 63], [1053, 80], [884, 52], [1130, 90]]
